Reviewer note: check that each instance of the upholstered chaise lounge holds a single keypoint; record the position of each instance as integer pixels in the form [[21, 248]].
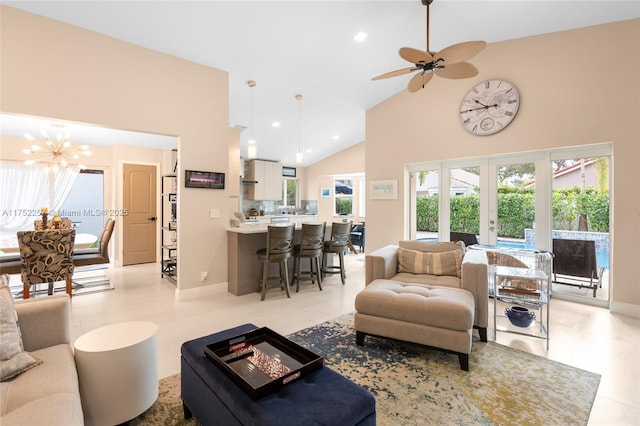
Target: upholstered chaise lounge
[[431, 293]]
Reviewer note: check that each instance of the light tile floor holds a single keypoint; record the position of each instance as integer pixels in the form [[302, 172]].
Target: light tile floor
[[583, 336]]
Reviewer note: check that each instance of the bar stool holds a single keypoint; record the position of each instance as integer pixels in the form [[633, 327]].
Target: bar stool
[[279, 249], [338, 244], [310, 247]]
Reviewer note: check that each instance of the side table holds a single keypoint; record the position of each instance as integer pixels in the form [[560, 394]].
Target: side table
[[538, 299], [118, 371]]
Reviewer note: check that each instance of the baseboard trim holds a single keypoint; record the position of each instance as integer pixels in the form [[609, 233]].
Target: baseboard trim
[[626, 309], [198, 292]]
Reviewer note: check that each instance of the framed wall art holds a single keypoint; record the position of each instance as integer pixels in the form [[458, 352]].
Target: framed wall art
[[208, 180], [383, 189]]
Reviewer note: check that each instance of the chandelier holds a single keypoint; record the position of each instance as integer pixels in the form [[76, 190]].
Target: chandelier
[[58, 153]]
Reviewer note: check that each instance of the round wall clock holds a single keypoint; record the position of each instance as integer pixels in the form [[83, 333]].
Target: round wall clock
[[489, 107]]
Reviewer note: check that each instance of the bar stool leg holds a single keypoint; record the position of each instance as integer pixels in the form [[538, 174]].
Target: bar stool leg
[[263, 265], [283, 265], [296, 273], [316, 260], [343, 276]]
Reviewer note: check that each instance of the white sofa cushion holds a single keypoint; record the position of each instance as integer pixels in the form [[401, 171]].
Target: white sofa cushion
[[48, 394]]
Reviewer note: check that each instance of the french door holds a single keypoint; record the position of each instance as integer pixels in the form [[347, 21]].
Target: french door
[[510, 200], [465, 196]]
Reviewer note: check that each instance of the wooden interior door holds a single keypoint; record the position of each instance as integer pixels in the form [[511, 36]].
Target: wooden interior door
[[139, 225]]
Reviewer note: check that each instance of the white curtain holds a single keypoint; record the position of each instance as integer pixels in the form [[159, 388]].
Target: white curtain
[[25, 189]]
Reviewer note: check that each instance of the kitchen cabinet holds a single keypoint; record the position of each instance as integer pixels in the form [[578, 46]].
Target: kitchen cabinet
[[268, 180]]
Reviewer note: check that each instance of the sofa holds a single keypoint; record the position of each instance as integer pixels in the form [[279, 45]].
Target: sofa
[[48, 392], [431, 293]]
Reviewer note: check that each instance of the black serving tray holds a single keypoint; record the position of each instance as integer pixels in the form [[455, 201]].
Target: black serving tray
[[262, 361]]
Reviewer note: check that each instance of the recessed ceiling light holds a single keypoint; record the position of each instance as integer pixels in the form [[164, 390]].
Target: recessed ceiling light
[[276, 124], [335, 137], [360, 36]]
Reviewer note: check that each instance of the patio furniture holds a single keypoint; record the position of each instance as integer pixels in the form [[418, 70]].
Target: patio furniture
[[575, 264]]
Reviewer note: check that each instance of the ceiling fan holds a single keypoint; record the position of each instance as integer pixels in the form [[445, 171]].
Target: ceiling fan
[[448, 63]]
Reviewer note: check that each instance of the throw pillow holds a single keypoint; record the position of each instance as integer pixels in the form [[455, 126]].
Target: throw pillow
[[13, 359], [418, 262]]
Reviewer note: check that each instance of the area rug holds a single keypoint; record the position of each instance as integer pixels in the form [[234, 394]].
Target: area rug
[[415, 385]]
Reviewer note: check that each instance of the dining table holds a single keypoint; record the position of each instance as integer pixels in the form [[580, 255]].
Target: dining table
[[9, 241]]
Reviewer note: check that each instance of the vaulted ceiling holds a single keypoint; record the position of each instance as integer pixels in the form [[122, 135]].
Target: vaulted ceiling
[[307, 47]]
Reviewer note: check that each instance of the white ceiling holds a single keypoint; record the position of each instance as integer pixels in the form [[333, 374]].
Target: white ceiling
[[307, 47]]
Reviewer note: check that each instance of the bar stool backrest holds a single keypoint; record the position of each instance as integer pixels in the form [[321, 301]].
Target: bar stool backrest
[[279, 242], [312, 239], [340, 232]]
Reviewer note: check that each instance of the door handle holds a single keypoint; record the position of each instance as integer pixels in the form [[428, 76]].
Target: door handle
[[152, 219]]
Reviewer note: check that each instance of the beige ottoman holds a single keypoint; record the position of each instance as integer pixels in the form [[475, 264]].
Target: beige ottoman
[[440, 317]]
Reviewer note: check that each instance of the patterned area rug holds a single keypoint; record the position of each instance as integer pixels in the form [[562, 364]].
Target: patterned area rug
[[414, 385]]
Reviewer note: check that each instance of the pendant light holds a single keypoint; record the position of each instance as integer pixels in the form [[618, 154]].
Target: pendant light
[[299, 156], [252, 148]]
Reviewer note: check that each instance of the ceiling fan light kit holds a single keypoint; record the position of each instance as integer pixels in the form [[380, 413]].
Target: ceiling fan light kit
[[447, 63]]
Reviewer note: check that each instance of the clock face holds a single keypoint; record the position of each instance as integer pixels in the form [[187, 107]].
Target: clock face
[[489, 107]]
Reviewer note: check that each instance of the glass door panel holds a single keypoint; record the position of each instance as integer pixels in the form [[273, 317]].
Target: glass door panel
[[516, 198], [464, 204], [425, 205], [580, 212]]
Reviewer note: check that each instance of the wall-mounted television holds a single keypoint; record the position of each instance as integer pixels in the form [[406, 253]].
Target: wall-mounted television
[[209, 180]]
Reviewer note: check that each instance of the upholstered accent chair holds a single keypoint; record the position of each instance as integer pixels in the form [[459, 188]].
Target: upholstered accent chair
[[430, 293], [46, 257], [279, 249]]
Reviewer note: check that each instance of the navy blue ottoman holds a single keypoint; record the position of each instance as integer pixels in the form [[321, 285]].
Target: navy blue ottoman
[[324, 397]]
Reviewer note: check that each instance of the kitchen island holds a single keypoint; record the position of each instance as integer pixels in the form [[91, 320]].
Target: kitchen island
[[242, 262]]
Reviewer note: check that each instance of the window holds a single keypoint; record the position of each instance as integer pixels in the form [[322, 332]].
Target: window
[[343, 197], [290, 192], [85, 203]]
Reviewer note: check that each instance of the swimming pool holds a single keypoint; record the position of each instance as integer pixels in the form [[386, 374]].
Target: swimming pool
[[602, 256]]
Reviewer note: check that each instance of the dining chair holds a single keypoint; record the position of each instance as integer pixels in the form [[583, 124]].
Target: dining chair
[[95, 256], [46, 256], [337, 244], [65, 223], [310, 247], [279, 249]]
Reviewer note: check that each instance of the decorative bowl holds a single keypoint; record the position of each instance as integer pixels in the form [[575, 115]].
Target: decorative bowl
[[519, 316]]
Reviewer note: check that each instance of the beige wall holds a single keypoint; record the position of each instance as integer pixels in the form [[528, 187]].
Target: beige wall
[[349, 161], [50, 69], [577, 88]]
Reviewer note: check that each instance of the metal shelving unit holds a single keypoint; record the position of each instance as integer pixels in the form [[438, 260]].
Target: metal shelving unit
[[169, 225], [528, 287]]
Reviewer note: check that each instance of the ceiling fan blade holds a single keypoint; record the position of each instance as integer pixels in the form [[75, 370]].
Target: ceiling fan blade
[[460, 52], [415, 56], [459, 70], [395, 73], [419, 81]]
